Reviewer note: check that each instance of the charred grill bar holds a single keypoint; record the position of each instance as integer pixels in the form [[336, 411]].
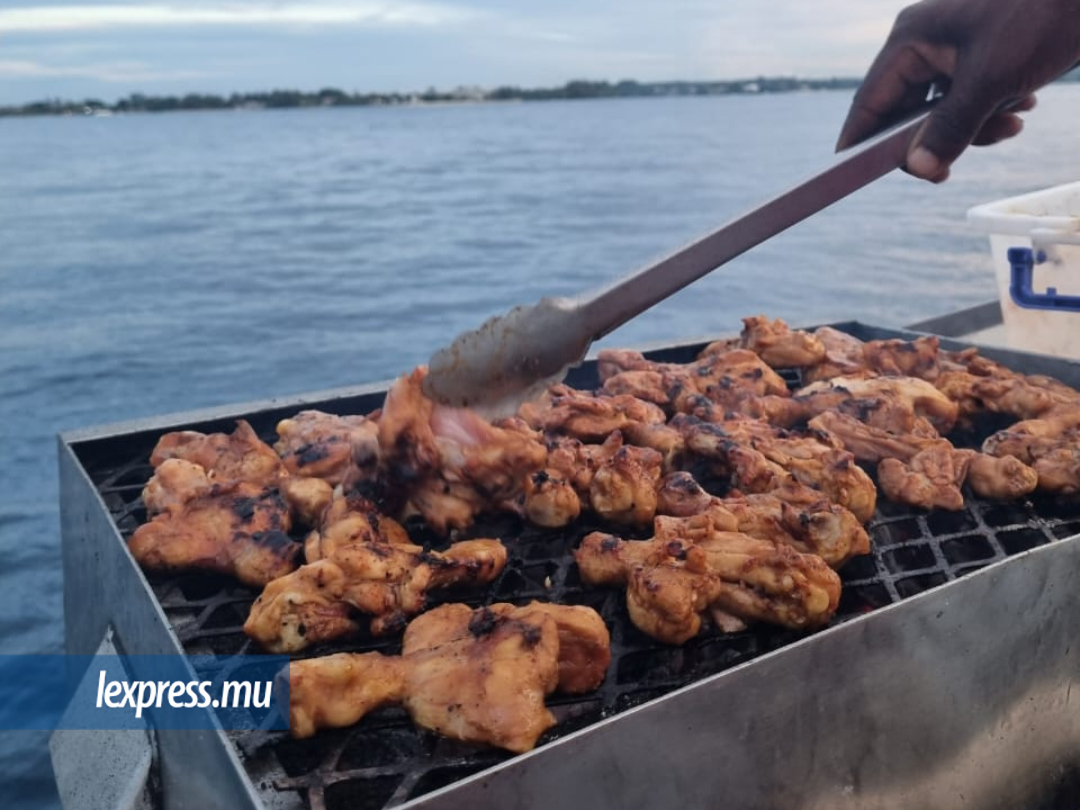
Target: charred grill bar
[[834, 719]]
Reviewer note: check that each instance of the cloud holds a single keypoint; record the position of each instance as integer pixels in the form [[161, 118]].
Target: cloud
[[106, 17], [104, 72]]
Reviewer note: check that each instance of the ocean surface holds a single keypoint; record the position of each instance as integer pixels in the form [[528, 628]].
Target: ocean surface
[[157, 263]]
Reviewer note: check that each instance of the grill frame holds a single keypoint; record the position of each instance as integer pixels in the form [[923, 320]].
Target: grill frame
[[142, 625]]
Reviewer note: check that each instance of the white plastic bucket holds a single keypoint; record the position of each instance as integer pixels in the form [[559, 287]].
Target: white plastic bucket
[[1048, 221]]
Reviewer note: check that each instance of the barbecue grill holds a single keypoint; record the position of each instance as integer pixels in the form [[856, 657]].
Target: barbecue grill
[[945, 679]]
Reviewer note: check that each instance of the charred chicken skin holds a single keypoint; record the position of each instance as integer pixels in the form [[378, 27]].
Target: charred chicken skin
[[805, 520], [362, 570], [379, 583], [238, 529], [321, 445], [758, 458], [478, 676], [728, 379]]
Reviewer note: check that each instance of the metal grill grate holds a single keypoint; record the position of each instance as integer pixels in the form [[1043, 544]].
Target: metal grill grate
[[385, 760]]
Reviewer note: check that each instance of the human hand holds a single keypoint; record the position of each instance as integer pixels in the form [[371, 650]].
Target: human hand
[[991, 54]]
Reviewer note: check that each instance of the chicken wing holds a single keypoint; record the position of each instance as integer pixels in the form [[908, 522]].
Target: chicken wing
[[909, 397], [350, 519], [326, 599], [174, 483], [320, 445], [550, 499], [452, 462], [1048, 444], [931, 478], [239, 529], [847, 356], [672, 580], [586, 417], [578, 462], [760, 458], [227, 458], [726, 379], [623, 490], [807, 521], [472, 675], [778, 345]]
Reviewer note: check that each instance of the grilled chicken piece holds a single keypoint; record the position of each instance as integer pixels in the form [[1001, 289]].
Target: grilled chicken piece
[[578, 462], [806, 520], [308, 498], [586, 417], [847, 356], [1022, 396], [916, 397], [348, 520], [902, 358], [760, 458], [726, 379], [550, 499], [473, 675], [1003, 479], [452, 463], [320, 445], [1032, 438], [174, 483], [623, 490], [689, 566], [869, 443], [1059, 467], [665, 439], [778, 345], [324, 600], [189, 464], [930, 478], [239, 529], [646, 384], [843, 356], [1051, 445], [239, 456]]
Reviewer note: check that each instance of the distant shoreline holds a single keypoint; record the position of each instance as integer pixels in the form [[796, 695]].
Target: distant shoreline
[[333, 97]]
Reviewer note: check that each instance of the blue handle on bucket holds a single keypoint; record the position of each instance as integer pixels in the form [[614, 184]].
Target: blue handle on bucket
[[1022, 262]]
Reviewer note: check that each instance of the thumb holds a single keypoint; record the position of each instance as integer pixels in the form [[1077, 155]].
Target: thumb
[[950, 129]]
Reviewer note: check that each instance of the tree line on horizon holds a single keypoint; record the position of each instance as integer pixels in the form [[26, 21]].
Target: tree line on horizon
[[334, 97]]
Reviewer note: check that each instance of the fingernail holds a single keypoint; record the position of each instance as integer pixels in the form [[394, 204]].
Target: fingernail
[[923, 163]]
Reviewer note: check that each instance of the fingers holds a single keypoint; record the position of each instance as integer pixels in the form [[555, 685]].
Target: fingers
[[956, 121], [999, 127], [1006, 124], [1028, 102], [895, 86]]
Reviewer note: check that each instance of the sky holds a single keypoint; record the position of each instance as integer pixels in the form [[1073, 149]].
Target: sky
[[74, 50]]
